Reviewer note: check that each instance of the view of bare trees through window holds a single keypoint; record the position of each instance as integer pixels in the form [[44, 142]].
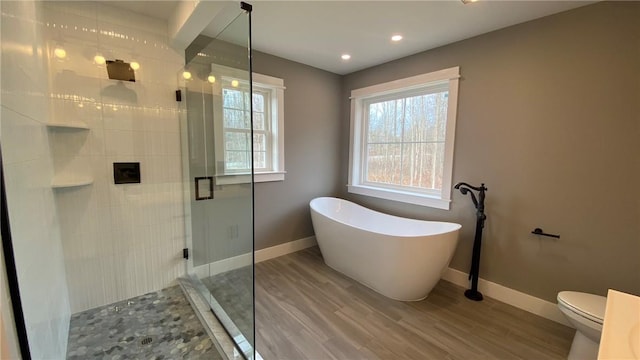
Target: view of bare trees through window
[[405, 141], [237, 130]]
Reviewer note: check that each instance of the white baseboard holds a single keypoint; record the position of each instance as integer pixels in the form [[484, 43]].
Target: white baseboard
[[229, 264], [242, 260], [201, 271], [509, 296], [224, 265], [286, 248]]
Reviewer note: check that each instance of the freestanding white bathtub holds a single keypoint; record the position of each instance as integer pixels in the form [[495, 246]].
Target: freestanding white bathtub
[[400, 258]]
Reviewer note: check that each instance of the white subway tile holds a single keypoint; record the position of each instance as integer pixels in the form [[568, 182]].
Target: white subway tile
[[115, 92], [138, 143], [117, 117], [96, 143], [119, 17], [62, 24], [23, 63], [156, 71], [24, 139], [86, 9], [118, 143], [119, 240], [173, 145]]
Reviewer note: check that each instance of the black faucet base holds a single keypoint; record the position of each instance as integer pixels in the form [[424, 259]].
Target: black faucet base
[[473, 295]]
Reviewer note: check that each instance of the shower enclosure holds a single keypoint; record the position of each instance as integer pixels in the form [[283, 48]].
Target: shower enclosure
[[218, 144], [117, 186]]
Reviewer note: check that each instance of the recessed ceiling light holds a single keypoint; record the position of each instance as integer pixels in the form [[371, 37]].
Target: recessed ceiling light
[[346, 56], [396, 38], [468, 1]]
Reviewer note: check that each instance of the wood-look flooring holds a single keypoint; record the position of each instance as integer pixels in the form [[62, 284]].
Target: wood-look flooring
[[306, 310]]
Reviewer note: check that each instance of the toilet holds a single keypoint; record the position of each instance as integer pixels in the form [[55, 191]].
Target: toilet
[[585, 312]]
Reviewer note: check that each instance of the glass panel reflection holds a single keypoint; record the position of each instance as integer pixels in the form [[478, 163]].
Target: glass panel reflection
[[219, 132]]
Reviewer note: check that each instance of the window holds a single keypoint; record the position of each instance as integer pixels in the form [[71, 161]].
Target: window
[[402, 135], [233, 133]]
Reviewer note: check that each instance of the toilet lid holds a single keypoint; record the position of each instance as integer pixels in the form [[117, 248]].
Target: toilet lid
[[587, 305]]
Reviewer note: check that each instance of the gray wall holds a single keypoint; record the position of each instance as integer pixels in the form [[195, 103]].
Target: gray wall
[[312, 128], [221, 227], [549, 119]]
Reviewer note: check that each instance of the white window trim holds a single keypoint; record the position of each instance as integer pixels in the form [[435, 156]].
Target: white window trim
[[277, 125], [356, 152]]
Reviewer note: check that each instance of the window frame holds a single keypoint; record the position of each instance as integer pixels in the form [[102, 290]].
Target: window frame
[[263, 83], [268, 133], [359, 127]]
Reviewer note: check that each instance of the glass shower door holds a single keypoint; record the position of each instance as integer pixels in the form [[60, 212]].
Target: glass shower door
[[218, 141]]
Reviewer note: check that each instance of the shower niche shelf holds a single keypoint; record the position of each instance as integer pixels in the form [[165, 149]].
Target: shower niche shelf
[[61, 132], [62, 182], [73, 125]]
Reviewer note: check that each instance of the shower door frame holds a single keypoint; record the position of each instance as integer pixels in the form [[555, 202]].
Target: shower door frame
[[12, 272]]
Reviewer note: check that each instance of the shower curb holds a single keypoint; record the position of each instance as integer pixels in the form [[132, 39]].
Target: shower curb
[[221, 340]]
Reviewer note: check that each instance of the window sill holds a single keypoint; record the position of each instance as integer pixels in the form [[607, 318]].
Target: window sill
[[401, 196], [246, 178]]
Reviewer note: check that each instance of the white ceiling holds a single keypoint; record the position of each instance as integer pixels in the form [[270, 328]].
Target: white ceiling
[[316, 33]]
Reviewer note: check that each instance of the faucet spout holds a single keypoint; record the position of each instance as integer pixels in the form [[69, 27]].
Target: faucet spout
[[477, 202], [476, 188]]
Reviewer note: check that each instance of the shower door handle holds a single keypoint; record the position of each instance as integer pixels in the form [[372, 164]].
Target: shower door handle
[[204, 188]]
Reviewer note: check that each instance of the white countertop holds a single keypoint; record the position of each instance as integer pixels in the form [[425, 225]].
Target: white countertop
[[621, 329]]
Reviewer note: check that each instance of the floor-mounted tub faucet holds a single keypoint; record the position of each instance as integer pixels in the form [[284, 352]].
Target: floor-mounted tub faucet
[[478, 202]]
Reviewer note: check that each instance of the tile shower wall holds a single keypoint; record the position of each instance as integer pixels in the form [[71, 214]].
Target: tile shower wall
[[124, 240], [28, 172]]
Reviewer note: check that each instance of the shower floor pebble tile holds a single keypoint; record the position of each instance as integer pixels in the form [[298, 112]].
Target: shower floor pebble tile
[[158, 325]]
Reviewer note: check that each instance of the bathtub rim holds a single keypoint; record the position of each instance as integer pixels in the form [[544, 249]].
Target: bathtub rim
[[454, 226]]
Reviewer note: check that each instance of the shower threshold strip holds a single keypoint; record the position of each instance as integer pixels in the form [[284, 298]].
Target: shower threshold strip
[[229, 325], [213, 322]]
